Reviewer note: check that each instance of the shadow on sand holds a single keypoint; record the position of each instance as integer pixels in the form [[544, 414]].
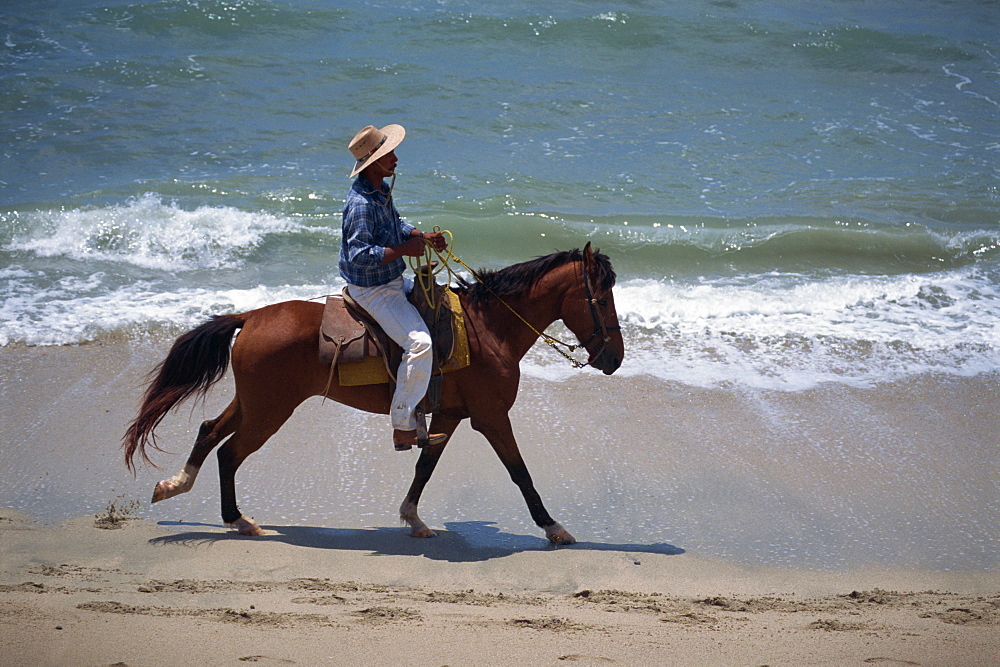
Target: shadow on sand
[[460, 542]]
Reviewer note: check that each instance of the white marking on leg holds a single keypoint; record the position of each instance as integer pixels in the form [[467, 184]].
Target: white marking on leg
[[246, 526], [408, 513]]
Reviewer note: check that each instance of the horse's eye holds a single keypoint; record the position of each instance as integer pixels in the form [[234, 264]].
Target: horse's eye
[[603, 303]]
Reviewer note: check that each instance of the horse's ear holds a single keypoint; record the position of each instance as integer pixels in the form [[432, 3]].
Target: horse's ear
[[588, 254]]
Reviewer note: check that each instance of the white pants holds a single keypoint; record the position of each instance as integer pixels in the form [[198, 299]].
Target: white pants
[[403, 324]]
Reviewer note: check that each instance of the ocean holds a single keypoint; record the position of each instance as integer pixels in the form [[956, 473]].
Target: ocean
[[791, 195]]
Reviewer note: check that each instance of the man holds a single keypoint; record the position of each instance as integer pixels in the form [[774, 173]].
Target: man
[[374, 241]]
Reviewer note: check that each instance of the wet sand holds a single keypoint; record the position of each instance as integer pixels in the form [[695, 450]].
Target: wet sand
[[838, 526]]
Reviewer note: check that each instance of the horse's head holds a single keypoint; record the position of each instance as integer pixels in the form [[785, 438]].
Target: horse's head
[[573, 286], [589, 312]]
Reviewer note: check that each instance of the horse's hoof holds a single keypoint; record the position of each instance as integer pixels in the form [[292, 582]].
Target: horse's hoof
[[559, 535], [163, 491], [176, 485], [245, 526], [408, 514], [422, 531]]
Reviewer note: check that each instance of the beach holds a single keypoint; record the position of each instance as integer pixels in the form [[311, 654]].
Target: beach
[[345, 584], [796, 463]]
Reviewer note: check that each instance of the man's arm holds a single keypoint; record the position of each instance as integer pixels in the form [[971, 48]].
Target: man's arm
[[414, 246]]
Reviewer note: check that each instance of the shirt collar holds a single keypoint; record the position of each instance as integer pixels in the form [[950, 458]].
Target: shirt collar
[[367, 186]]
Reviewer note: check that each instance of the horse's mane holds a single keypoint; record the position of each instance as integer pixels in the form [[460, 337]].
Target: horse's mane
[[517, 279]]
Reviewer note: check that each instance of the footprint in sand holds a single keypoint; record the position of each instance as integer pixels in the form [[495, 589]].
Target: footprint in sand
[[266, 658]]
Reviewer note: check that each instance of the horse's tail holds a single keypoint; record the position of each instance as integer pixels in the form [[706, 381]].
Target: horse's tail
[[197, 360]]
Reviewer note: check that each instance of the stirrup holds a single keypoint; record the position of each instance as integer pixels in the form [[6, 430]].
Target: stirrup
[[407, 445]]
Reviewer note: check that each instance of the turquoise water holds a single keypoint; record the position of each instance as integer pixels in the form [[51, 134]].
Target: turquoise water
[[791, 195]]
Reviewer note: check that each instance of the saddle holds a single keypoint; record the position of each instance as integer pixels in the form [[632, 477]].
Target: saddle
[[353, 343]]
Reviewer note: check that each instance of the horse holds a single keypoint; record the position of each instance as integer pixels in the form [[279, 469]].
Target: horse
[[276, 367]]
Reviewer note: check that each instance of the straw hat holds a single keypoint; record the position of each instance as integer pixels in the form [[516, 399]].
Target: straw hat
[[371, 143]]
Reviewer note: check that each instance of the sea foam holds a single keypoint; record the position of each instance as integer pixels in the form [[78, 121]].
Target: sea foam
[[782, 332], [148, 233]]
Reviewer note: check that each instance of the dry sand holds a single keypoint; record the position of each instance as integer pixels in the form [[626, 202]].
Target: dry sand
[[146, 595], [840, 527]]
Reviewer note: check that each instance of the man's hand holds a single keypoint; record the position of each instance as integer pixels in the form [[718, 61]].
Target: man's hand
[[436, 240], [415, 245]]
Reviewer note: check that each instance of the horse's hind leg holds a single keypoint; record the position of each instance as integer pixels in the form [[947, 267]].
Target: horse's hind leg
[[249, 437], [211, 433]]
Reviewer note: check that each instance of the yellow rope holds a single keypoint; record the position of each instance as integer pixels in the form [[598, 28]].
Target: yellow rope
[[425, 279]]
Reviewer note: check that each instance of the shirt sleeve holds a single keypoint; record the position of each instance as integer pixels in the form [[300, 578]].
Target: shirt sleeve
[[404, 225]]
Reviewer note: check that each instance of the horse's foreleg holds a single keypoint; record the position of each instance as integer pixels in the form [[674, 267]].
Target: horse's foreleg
[[520, 476], [211, 433], [501, 437], [429, 457]]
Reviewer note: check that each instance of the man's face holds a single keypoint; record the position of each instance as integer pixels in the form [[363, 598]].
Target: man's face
[[387, 164]]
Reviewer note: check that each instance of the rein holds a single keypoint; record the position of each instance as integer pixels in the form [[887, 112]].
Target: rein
[[600, 328]]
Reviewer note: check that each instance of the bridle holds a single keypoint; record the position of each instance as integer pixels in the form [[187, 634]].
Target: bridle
[[600, 327]]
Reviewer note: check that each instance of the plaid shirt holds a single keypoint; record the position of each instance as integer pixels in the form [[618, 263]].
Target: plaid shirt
[[371, 224]]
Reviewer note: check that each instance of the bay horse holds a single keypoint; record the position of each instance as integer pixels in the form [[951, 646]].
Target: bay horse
[[276, 367]]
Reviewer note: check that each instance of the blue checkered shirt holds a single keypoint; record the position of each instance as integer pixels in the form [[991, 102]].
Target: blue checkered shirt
[[371, 224]]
